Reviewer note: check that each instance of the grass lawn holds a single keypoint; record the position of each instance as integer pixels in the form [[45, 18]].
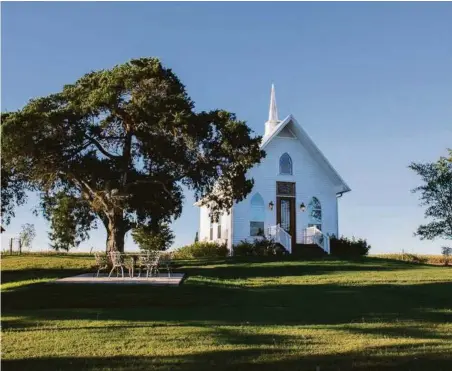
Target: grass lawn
[[369, 314]]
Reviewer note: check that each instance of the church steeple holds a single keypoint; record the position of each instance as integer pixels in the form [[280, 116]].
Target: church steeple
[[273, 113], [273, 120]]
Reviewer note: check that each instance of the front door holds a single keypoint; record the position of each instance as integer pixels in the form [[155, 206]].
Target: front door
[[285, 209]]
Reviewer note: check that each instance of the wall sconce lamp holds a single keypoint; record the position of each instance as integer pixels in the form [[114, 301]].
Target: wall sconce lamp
[[302, 207], [270, 205]]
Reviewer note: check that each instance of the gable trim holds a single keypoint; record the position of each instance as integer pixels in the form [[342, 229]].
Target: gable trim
[[302, 136]]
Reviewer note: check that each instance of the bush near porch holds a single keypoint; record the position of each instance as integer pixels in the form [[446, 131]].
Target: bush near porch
[[201, 249], [259, 247], [348, 247]]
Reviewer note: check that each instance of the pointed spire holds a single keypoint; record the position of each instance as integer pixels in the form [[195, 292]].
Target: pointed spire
[[273, 113], [273, 120]]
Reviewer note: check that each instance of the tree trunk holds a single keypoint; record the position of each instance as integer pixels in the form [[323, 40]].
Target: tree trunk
[[115, 234]]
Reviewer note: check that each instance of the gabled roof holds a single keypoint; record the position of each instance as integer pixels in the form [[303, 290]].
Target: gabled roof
[[310, 146]]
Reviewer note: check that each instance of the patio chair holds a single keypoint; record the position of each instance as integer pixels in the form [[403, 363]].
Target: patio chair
[[101, 262], [129, 263], [166, 261], [150, 263], [117, 263]]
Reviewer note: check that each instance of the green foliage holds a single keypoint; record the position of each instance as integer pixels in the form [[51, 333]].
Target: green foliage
[[348, 247], [27, 235], [70, 217], [447, 253], [123, 142], [12, 190], [202, 249], [259, 247], [154, 239], [436, 194]]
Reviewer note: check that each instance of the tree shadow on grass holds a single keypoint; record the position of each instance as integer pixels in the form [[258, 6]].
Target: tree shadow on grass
[[40, 273], [233, 268], [276, 268], [403, 332], [266, 305]]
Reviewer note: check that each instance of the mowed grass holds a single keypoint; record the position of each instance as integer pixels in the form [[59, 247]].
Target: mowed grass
[[368, 314]]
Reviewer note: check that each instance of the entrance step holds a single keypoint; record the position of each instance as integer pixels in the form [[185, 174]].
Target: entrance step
[[308, 251]]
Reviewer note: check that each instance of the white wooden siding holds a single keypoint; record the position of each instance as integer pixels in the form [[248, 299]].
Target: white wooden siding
[[310, 181], [204, 226]]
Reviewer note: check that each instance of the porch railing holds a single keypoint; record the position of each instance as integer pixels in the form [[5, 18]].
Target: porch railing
[[279, 235], [313, 235]]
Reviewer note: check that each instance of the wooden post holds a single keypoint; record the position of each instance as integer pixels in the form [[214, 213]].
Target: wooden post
[[11, 246]]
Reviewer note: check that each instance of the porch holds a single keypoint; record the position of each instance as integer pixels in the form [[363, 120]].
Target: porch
[[311, 236]]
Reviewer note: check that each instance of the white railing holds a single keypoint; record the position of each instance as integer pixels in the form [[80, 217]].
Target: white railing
[[313, 235], [279, 235]]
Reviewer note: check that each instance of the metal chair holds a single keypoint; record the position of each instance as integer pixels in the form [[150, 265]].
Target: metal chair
[[166, 260], [117, 263], [155, 261], [150, 263], [101, 262], [129, 264]]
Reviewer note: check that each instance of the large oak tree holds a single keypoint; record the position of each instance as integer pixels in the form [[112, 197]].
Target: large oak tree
[[117, 146]]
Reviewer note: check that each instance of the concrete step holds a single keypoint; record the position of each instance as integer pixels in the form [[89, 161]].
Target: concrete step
[[308, 251]]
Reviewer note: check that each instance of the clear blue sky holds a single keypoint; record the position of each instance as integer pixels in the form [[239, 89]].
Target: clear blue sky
[[370, 82]]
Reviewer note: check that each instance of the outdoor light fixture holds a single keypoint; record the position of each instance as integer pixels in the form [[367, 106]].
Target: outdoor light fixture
[[270, 205], [302, 207]]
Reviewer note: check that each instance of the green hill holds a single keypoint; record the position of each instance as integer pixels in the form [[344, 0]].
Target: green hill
[[369, 314]]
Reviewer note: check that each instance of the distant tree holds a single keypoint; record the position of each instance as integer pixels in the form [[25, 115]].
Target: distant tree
[[447, 253], [196, 237], [148, 238], [27, 235], [118, 146], [436, 194]]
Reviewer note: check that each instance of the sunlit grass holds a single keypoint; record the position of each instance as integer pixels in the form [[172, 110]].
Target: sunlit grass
[[277, 315]]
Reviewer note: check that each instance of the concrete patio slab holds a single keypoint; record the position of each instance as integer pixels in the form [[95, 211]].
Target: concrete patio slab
[[161, 280]]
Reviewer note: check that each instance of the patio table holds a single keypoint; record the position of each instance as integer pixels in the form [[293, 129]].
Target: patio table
[[135, 257], [130, 261]]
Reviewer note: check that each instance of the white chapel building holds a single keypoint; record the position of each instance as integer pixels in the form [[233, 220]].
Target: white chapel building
[[295, 195]]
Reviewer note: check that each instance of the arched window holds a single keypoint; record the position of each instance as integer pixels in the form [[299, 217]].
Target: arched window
[[315, 213], [285, 164], [257, 215]]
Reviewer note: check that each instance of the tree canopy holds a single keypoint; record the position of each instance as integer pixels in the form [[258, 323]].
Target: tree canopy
[[117, 146], [153, 239], [436, 194]]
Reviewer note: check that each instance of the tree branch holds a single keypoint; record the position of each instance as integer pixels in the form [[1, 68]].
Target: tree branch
[[100, 148], [151, 182]]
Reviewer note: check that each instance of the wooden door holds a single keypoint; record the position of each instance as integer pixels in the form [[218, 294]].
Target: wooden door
[[285, 216]]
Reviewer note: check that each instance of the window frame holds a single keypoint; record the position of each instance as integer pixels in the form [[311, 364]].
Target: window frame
[[318, 208], [285, 156], [261, 218]]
